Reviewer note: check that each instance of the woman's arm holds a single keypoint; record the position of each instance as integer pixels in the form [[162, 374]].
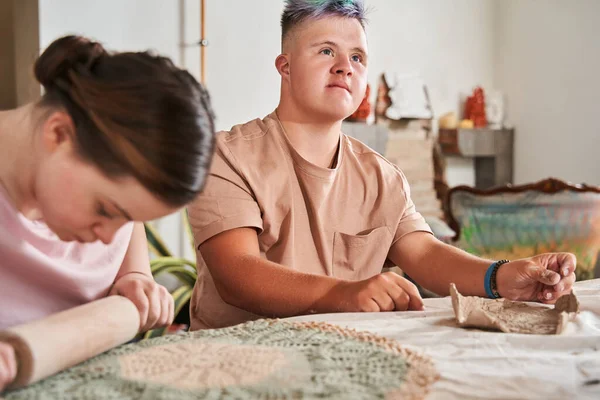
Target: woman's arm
[[134, 281]]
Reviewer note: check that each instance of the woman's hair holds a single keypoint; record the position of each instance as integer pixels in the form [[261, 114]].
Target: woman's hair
[[135, 114]]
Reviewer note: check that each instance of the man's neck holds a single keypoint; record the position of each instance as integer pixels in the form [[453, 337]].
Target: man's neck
[[316, 141]]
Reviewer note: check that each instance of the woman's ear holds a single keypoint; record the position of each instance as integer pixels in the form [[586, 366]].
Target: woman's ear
[[282, 64], [58, 130]]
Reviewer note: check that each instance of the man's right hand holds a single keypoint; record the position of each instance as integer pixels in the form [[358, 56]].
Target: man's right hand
[[8, 365], [387, 291]]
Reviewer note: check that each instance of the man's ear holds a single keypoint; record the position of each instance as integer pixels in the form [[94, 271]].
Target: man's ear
[[58, 130], [282, 64]]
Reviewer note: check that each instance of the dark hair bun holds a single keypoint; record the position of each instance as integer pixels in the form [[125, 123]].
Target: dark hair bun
[[66, 54], [135, 114]]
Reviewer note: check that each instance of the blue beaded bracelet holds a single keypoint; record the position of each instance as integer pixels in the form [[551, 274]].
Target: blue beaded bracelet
[[489, 282]]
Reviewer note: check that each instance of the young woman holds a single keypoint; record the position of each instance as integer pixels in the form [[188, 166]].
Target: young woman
[[116, 139]]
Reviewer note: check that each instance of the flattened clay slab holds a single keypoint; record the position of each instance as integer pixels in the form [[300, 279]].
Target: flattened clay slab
[[513, 316]]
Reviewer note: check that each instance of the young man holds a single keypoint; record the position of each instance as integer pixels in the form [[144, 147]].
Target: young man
[[298, 218]]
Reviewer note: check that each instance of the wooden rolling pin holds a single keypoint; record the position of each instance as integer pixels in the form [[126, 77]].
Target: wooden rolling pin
[[52, 344]]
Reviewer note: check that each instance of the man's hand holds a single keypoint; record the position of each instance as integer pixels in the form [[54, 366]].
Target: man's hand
[[544, 277], [384, 292], [153, 301], [8, 365]]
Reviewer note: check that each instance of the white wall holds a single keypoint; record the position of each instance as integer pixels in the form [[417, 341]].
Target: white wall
[[548, 63], [119, 24], [448, 43], [240, 59]]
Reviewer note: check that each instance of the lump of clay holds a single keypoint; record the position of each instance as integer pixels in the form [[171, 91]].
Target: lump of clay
[[513, 316]]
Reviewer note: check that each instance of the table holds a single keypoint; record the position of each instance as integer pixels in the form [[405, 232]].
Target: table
[[482, 364]]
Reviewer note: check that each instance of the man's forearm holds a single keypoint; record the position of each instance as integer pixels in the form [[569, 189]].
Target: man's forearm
[[270, 289], [434, 265]]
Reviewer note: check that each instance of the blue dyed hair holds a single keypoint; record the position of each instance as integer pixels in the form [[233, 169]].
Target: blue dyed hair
[[297, 11]]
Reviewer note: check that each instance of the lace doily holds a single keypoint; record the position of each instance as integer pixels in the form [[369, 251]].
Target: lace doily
[[268, 359]]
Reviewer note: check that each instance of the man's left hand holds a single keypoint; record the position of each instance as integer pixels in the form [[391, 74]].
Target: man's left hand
[[543, 278]]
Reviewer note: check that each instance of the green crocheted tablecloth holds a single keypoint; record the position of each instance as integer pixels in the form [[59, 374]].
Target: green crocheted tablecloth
[[267, 359]]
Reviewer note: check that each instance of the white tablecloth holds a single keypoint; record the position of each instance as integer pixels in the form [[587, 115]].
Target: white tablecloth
[[494, 365]]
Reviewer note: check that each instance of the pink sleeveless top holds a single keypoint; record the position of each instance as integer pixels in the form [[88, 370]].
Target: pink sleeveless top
[[41, 275]]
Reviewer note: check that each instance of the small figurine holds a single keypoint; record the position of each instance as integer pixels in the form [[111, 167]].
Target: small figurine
[[475, 108]]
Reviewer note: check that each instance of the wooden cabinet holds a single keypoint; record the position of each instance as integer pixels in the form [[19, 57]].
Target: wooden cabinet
[[491, 149]]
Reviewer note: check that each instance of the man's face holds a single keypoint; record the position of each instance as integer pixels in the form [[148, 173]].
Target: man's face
[[327, 61]]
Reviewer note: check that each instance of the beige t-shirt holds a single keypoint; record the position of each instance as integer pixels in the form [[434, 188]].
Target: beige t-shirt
[[339, 222]]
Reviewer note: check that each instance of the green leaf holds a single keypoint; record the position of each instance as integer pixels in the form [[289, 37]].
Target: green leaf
[[172, 260], [155, 242], [165, 263], [183, 273]]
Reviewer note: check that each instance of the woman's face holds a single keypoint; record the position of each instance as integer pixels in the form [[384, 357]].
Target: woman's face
[[79, 202]]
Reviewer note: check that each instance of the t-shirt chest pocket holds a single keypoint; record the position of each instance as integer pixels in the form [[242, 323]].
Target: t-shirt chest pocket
[[358, 257]]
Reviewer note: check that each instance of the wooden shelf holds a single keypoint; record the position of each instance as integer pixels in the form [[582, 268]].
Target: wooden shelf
[[491, 149]]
